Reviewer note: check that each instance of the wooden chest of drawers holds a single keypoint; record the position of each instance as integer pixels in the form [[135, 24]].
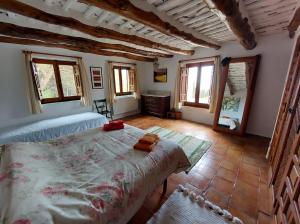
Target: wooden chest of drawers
[[155, 105]]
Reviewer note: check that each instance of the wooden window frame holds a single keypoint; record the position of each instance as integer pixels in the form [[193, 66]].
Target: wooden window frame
[[198, 84], [55, 63], [120, 80]]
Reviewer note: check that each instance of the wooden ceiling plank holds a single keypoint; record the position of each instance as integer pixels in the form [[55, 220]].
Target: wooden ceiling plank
[[208, 24], [189, 12], [264, 4], [182, 8], [127, 9], [217, 26], [151, 1], [170, 4], [68, 4], [265, 12], [205, 13], [90, 11], [48, 2], [114, 20], [151, 34], [25, 41], [204, 22], [102, 17], [143, 30], [125, 24], [272, 8], [100, 32], [272, 19], [215, 31]]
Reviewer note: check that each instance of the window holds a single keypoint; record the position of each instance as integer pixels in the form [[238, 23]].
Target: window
[[56, 81], [199, 84], [123, 80]]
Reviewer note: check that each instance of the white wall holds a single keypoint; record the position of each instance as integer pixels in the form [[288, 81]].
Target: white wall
[[275, 51], [13, 105]]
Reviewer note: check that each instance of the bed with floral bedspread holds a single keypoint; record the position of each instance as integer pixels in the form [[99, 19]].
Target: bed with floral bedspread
[[91, 177]]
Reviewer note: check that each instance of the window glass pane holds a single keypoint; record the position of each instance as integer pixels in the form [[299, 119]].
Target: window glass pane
[[125, 80], [47, 80], [192, 83], [117, 80], [68, 80], [205, 83]]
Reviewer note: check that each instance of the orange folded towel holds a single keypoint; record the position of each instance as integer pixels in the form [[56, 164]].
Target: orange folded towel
[[147, 142], [146, 139], [152, 135], [143, 147]]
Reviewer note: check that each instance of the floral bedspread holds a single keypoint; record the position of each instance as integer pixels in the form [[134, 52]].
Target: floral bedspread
[[91, 177]]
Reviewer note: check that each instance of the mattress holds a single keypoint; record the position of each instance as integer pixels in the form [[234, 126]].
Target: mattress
[[90, 177], [52, 128]]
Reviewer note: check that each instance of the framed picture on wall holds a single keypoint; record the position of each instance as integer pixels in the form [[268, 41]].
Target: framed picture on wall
[[160, 75], [96, 77]]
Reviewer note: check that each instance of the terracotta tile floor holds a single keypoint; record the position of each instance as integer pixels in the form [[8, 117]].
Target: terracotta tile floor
[[232, 174]]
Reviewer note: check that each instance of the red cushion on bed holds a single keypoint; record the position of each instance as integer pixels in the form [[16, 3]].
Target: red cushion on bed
[[116, 122], [111, 127]]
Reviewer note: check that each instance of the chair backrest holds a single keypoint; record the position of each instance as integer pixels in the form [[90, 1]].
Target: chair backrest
[[100, 105]]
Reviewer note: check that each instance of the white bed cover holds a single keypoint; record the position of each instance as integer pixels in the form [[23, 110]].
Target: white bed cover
[[52, 128]]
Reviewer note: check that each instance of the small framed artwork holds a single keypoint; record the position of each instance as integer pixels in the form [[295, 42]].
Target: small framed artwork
[[160, 75], [96, 77]]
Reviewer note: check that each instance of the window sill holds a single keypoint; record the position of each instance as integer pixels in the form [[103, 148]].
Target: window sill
[[125, 96], [200, 106], [50, 101]]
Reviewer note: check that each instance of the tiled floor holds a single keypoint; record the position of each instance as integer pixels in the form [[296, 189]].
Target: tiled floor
[[232, 174]]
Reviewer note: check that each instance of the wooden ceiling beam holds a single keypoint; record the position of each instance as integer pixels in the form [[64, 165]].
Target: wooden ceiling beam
[[294, 23], [127, 9], [13, 40], [42, 35], [239, 25], [100, 32]]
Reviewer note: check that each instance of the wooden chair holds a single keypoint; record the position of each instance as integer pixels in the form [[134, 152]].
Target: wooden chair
[[101, 107]]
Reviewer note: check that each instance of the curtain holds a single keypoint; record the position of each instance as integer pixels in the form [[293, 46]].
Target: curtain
[[214, 90], [33, 100], [134, 84], [86, 98], [176, 105], [183, 84], [180, 87], [111, 96]]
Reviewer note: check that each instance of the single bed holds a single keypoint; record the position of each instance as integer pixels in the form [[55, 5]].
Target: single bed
[[90, 177], [52, 128]]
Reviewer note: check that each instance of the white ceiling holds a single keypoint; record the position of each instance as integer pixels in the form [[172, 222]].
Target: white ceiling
[[270, 16], [198, 16]]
